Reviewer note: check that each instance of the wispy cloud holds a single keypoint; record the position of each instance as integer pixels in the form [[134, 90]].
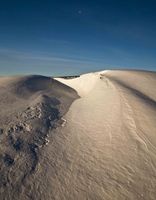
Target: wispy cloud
[[20, 62], [35, 56], [56, 41]]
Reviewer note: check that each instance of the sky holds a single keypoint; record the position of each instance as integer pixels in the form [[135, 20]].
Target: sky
[[65, 37]]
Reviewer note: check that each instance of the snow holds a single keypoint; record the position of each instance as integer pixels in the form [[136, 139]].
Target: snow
[[109, 137]]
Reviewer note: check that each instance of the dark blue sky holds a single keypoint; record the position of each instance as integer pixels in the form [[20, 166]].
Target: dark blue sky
[[69, 37]]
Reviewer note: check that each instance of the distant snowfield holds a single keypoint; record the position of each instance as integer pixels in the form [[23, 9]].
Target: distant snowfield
[[109, 139], [83, 84]]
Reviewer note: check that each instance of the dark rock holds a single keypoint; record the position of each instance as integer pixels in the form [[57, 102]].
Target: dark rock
[[33, 147], [11, 130], [18, 144], [1, 131], [18, 128], [8, 160]]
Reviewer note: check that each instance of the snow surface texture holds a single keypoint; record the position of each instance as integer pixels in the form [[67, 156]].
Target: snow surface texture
[[103, 147], [110, 138]]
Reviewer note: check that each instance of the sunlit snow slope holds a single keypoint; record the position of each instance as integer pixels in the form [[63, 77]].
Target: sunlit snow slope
[[109, 141]]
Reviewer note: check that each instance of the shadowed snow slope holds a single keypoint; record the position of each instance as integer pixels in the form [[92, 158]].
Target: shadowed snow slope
[[30, 107], [103, 148]]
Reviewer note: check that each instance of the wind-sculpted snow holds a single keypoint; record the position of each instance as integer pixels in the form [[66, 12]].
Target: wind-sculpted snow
[[103, 148], [30, 107], [110, 141]]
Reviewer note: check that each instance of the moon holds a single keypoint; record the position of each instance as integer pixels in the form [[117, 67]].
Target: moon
[[80, 12]]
